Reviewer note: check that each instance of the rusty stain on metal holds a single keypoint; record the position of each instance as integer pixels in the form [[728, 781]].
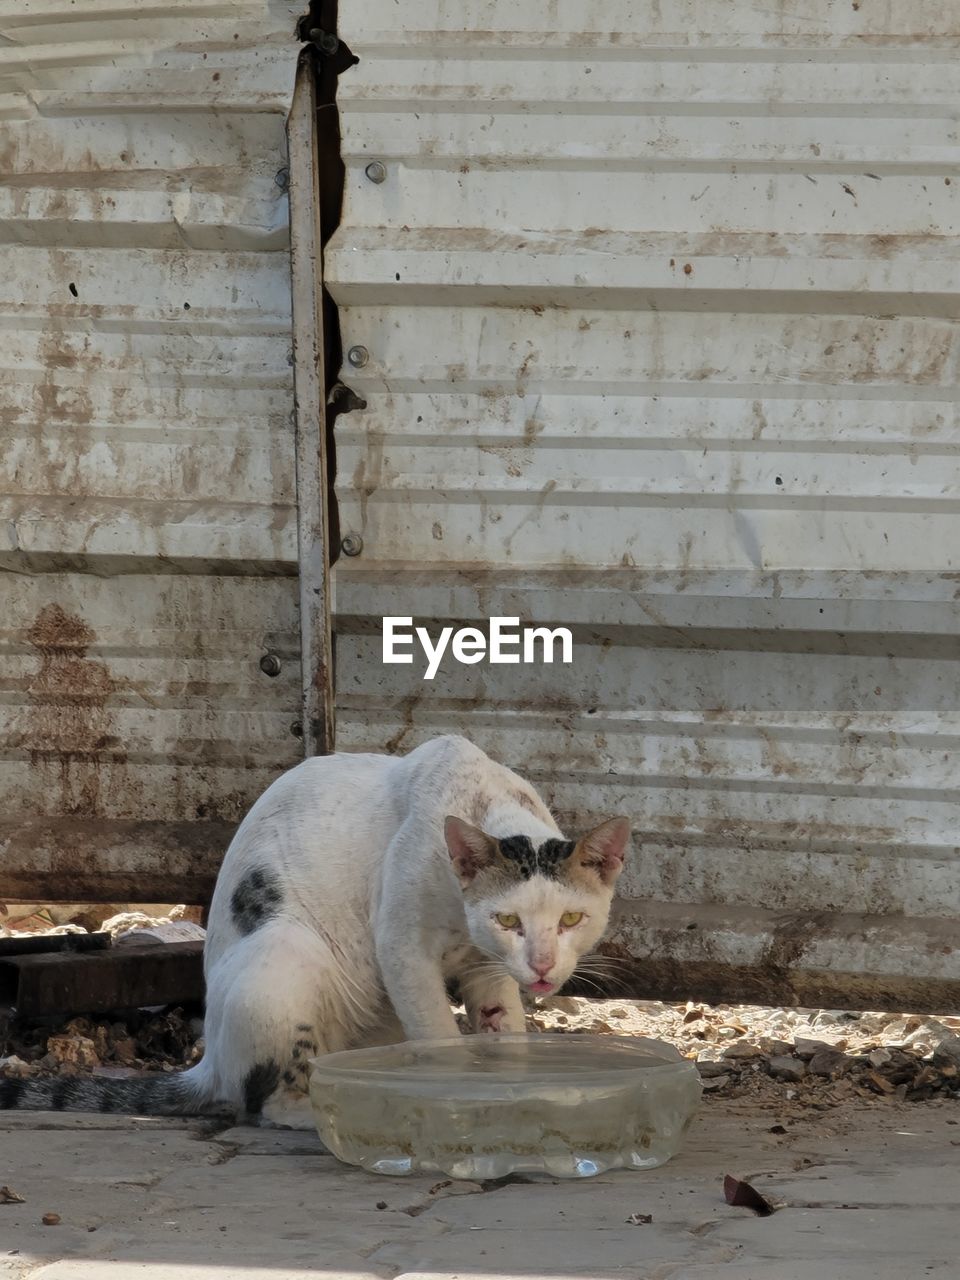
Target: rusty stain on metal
[[69, 725], [74, 859], [121, 977], [660, 977], [147, 496]]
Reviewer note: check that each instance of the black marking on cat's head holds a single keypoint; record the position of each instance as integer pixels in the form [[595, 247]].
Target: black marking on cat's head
[[256, 899], [545, 859]]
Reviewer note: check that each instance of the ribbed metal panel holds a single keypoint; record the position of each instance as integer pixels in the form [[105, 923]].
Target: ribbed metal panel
[[147, 486], [660, 309]]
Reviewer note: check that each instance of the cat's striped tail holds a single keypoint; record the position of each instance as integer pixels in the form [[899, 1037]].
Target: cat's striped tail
[[161, 1095]]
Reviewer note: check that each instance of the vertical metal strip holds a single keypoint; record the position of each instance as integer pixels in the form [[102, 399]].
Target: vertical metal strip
[[310, 410]]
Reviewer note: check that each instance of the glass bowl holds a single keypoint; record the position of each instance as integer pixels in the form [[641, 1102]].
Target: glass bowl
[[484, 1106]]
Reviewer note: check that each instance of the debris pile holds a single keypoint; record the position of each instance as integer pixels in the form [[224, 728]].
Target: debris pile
[[146, 1040], [124, 1044], [816, 1057], [22, 921]]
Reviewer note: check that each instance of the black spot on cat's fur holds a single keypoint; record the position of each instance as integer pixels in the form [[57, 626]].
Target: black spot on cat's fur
[[255, 899], [545, 860], [259, 1083]]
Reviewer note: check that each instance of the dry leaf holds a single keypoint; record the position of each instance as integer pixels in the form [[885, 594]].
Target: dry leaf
[[639, 1219], [743, 1195], [9, 1196]]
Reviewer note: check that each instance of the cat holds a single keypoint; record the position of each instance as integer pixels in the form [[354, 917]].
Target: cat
[[356, 888]]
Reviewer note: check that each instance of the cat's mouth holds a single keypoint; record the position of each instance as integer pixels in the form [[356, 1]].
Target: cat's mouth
[[541, 987]]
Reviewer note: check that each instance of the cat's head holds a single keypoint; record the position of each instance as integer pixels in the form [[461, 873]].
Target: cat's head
[[537, 904]]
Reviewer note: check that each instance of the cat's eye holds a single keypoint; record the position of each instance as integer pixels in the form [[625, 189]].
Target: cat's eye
[[571, 918], [507, 921]]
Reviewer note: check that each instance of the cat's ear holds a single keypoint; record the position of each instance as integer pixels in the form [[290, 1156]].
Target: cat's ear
[[604, 848], [470, 848]]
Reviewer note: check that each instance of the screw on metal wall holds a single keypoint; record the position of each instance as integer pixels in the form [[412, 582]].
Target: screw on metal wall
[[344, 399], [351, 544], [325, 41], [376, 171], [358, 356], [270, 664]]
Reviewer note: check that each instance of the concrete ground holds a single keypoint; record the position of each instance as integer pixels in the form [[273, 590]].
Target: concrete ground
[[869, 1193]]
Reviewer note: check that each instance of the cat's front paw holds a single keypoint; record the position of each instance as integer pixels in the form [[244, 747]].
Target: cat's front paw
[[490, 1018]]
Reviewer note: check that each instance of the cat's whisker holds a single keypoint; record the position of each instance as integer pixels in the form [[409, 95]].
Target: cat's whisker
[[588, 982]]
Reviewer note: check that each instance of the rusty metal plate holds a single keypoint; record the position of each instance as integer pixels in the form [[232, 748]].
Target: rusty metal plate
[[148, 545], [657, 306]]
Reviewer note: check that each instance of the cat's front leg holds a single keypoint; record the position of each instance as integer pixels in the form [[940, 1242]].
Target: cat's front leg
[[414, 982], [493, 1004]]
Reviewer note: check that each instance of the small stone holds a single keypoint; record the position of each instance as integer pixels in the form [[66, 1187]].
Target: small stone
[[619, 1013], [73, 1051], [125, 1050], [51, 1219], [875, 1081], [948, 1049], [828, 1062], [562, 1004], [785, 1068], [834, 1018], [14, 1066], [710, 1067], [716, 1082], [743, 1049], [804, 1047], [775, 1048], [728, 1033], [879, 1057]]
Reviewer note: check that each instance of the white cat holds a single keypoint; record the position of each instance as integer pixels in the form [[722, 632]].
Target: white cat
[[355, 889]]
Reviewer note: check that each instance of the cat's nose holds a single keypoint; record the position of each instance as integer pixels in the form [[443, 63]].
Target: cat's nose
[[540, 969]]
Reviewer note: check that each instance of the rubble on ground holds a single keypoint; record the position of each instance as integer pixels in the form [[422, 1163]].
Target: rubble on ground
[[18, 920], [802, 1058], [805, 1056], [145, 1040]]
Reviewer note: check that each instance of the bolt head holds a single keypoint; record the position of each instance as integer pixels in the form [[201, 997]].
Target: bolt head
[[376, 171], [328, 42], [270, 664], [282, 178], [351, 544], [358, 356]]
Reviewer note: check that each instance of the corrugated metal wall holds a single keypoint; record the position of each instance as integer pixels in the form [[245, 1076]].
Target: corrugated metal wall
[[147, 490], [660, 310]]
